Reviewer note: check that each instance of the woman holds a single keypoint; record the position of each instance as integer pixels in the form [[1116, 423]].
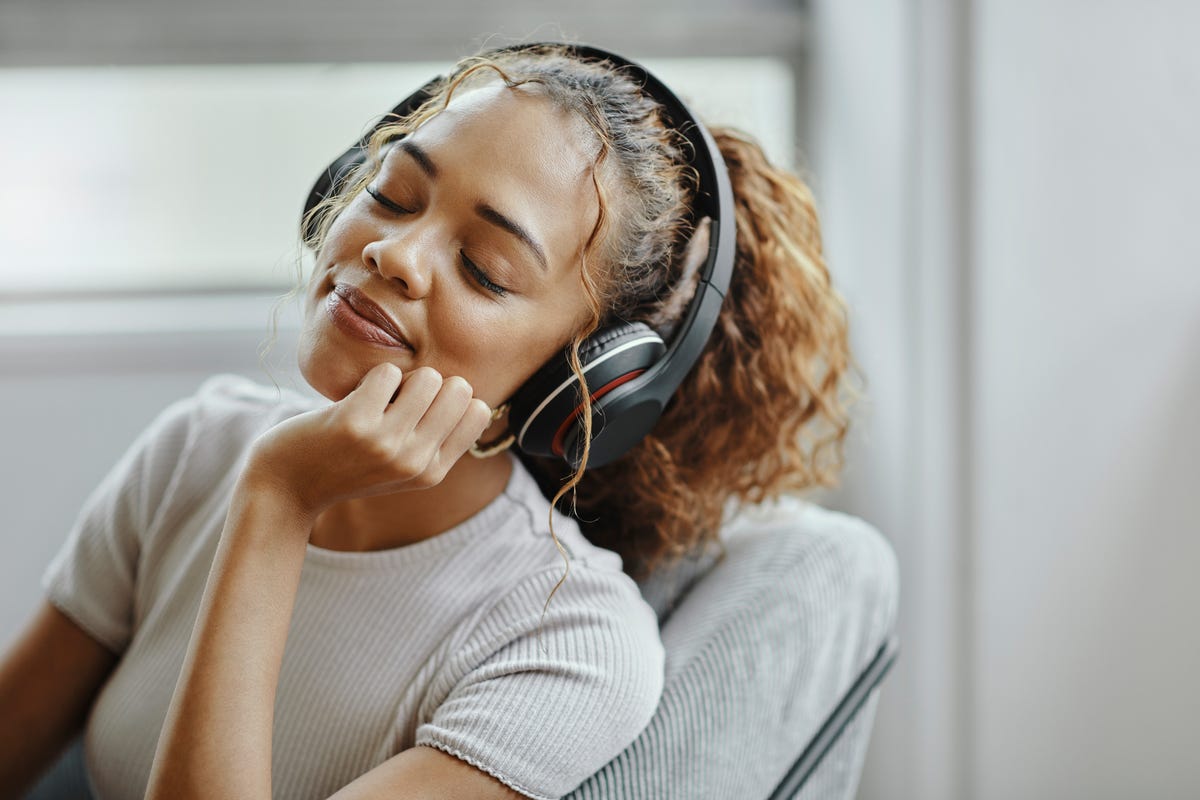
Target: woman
[[327, 599]]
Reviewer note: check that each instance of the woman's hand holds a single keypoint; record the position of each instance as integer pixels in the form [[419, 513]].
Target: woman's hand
[[365, 444]]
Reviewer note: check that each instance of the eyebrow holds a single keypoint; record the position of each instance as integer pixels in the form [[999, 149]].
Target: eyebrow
[[487, 212], [420, 156], [499, 220]]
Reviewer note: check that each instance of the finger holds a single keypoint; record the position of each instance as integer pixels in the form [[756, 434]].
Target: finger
[[377, 388], [446, 410], [419, 389], [470, 427]]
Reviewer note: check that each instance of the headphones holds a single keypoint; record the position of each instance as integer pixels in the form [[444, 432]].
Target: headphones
[[630, 371]]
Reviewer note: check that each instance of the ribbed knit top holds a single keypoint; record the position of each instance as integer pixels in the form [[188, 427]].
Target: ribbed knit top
[[435, 643]]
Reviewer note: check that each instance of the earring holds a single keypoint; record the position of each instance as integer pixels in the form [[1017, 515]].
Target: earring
[[490, 449]]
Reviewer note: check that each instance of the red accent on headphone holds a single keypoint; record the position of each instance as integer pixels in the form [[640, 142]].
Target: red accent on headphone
[[557, 444]]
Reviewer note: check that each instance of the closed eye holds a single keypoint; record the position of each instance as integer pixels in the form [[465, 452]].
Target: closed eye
[[391, 205], [470, 266], [481, 277]]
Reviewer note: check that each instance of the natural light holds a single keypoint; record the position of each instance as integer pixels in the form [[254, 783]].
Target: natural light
[[183, 179]]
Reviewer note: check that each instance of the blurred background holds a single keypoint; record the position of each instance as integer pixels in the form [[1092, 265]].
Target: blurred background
[[1007, 191]]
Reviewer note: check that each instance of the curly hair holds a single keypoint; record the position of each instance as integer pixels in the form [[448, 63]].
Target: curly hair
[[764, 411]]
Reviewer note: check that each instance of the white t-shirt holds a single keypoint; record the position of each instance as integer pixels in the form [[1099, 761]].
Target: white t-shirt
[[434, 643]]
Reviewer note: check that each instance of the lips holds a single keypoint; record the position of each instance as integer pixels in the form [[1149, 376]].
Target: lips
[[367, 308]]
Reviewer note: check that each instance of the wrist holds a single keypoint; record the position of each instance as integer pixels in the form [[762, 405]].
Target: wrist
[[263, 487]]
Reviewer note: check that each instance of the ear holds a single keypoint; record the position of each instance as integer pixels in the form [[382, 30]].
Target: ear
[[694, 252]]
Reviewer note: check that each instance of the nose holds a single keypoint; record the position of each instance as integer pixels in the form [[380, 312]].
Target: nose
[[402, 260]]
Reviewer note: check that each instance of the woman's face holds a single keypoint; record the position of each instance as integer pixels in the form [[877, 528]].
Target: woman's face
[[469, 239]]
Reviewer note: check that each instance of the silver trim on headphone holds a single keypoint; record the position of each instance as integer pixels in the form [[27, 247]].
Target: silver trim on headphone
[[573, 379]]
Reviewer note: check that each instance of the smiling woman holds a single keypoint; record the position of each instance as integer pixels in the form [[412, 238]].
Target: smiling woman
[[325, 598], [471, 292]]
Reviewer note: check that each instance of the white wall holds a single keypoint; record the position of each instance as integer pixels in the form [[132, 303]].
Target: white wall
[[1008, 193], [1087, 438]]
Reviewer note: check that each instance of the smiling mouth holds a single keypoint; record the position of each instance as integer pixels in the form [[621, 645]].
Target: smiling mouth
[[362, 320]]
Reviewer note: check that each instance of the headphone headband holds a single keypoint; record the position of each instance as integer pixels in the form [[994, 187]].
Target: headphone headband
[[631, 386]]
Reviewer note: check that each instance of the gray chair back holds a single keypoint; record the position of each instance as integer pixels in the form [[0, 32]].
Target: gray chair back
[[760, 648]]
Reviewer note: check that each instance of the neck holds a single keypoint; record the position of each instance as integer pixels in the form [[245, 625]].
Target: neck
[[383, 522]]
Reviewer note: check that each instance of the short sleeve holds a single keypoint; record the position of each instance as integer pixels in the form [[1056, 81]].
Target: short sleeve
[[92, 577], [542, 712]]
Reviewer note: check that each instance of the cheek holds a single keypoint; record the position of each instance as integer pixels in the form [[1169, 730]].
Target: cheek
[[350, 229], [497, 357], [315, 289]]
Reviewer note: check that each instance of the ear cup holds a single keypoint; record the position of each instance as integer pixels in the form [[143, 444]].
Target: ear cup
[[545, 411]]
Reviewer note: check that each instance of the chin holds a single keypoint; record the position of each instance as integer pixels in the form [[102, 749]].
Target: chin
[[329, 373]]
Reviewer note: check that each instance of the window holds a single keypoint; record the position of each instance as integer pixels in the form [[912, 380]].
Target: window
[[182, 179]]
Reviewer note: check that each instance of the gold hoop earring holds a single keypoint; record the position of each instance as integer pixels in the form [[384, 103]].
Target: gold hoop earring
[[489, 449]]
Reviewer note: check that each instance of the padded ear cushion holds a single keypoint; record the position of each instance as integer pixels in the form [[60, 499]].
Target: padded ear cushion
[[546, 407]]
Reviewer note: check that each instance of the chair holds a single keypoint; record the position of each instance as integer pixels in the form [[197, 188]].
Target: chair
[[765, 651], [774, 655]]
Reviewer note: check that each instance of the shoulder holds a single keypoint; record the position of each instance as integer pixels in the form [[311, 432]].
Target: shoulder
[[579, 575], [559, 663], [227, 396], [535, 568], [592, 606], [223, 412], [198, 439], [535, 515], [227, 411], [559, 673]]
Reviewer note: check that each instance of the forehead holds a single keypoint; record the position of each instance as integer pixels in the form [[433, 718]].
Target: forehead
[[515, 149], [521, 121]]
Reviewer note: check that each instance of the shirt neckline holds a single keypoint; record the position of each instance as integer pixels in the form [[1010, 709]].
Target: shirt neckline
[[488, 519]]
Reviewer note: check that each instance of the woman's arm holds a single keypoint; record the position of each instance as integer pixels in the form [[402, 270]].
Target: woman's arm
[[48, 681], [216, 739]]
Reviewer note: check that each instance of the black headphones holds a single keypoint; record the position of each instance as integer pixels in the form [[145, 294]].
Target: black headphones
[[630, 372]]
